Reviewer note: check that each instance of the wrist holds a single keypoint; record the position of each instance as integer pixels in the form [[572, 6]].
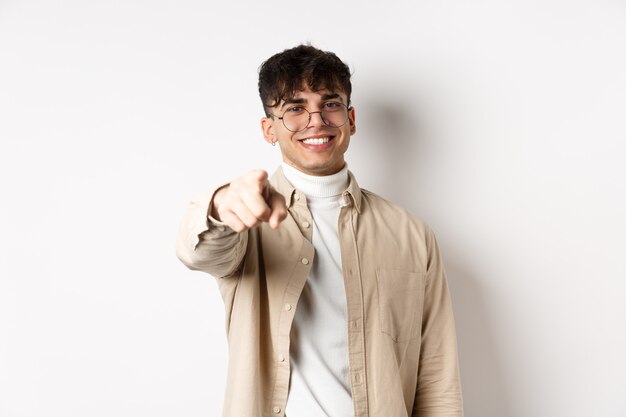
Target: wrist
[[216, 202]]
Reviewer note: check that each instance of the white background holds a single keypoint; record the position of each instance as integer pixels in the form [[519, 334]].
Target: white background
[[500, 123]]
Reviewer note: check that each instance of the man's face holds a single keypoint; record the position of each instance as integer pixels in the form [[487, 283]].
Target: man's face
[[319, 148]]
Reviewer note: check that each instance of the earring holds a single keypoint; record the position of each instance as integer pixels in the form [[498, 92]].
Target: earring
[[273, 143]]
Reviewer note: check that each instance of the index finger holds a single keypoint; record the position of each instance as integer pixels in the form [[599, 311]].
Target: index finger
[[278, 208]]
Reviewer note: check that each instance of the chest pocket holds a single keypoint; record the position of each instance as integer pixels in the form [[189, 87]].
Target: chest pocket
[[400, 300]]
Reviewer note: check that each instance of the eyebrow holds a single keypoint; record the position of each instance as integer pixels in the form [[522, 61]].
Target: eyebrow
[[294, 100]]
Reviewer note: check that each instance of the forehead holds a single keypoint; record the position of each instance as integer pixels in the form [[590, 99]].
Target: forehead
[[307, 95]]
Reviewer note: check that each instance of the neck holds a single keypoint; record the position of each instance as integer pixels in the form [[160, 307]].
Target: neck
[[317, 186]]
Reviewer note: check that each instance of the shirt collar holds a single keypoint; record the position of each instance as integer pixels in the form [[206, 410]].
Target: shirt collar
[[352, 194]]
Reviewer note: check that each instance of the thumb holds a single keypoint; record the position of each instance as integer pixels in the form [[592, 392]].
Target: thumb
[[259, 174], [258, 178]]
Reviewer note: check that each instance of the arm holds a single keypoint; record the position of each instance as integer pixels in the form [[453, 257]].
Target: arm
[[438, 391], [205, 243]]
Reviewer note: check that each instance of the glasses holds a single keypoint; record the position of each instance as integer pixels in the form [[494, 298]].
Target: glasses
[[297, 118]]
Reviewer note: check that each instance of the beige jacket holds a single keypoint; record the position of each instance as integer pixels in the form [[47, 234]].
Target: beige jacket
[[401, 334]]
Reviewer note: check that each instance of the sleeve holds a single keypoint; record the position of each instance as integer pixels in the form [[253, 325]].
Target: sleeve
[[438, 392], [204, 244]]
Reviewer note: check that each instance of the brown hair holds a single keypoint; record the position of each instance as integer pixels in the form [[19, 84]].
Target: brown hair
[[285, 73]]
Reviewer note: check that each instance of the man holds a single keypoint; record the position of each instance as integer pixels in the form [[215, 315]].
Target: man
[[336, 300]]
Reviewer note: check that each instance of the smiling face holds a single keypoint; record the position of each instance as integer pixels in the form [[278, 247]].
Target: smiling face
[[318, 149]]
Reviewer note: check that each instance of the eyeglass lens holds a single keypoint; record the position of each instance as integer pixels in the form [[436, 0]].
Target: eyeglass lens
[[298, 118]]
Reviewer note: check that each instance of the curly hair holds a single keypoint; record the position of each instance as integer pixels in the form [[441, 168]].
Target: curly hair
[[289, 71]]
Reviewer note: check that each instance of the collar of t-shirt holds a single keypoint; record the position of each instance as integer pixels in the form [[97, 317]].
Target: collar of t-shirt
[[319, 190]]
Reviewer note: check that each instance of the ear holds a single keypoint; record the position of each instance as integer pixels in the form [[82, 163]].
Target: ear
[[352, 120], [267, 127]]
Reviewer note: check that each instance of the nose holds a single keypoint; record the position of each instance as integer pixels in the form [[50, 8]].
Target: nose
[[316, 121]]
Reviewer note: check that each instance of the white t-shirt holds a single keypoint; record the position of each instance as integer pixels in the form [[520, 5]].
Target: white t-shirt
[[320, 382]]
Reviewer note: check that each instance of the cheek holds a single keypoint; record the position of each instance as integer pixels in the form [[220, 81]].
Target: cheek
[[282, 135]]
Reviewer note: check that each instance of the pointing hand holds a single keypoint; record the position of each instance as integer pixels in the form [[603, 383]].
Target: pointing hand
[[248, 201]]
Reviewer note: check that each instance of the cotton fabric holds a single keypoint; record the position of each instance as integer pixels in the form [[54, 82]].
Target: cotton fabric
[[401, 333]]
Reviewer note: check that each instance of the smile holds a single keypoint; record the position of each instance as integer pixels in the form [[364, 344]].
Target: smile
[[316, 141]]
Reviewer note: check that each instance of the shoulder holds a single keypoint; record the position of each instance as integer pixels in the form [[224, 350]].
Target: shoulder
[[393, 236], [389, 215], [377, 205]]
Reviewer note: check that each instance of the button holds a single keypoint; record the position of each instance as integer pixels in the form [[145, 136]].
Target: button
[[306, 225], [296, 196], [276, 410], [281, 358], [305, 261], [288, 307]]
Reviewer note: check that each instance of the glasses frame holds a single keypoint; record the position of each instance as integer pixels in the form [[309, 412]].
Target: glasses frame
[[311, 113]]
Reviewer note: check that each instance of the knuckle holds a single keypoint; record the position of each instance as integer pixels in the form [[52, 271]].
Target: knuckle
[[251, 223], [260, 212]]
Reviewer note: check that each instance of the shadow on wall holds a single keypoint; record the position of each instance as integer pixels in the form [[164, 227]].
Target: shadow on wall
[[386, 140], [396, 145], [484, 383]]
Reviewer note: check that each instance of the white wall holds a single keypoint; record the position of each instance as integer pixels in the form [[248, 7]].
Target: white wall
[[501, 123]]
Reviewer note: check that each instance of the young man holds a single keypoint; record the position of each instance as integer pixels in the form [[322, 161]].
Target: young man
[[336, 300]]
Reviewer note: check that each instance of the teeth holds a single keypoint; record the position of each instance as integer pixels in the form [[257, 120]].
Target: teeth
[[316, 141]]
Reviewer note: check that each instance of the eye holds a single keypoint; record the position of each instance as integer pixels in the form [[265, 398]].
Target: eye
[[333, 105], [294, 109]]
